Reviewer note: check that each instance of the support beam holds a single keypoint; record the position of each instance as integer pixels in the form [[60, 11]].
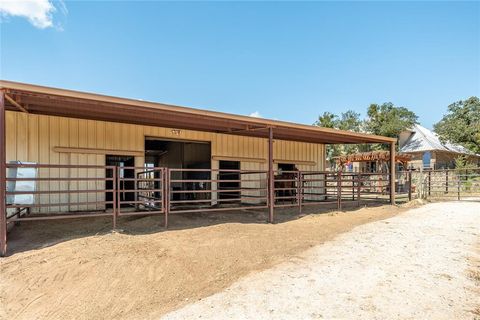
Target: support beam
[[15, 103], [392, 173], [3, 160], [248, 128], [271, 182]]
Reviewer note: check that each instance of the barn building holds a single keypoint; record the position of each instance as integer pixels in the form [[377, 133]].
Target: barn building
[[66, 154]]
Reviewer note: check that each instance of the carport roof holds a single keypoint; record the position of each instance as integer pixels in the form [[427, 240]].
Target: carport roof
[[37, 99]]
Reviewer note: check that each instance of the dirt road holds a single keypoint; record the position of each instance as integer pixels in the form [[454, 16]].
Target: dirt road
[[78, 269], [412, 266]]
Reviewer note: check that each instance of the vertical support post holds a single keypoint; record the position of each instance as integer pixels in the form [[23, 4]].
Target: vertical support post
[[458, 186], [271, 182], [339, 190], [299, 191], [359, 187], [114, 195], [429, 182], [166, 194], [135, 193], [3, 176], [409, 185], [446, 181], [392, 173], [117, 194]]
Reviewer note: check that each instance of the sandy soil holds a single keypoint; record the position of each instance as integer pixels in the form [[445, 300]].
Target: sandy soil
[[423, 264], [78, 269]]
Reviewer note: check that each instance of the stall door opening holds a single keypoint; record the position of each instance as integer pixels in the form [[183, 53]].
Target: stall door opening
[[228, 187], [178, 154], [121, 162]]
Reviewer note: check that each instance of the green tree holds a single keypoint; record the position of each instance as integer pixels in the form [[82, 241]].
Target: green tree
[[330, 120], [327, 120], [462, 162], [388, 120], [350, 121], [385, 120], [462, 124]]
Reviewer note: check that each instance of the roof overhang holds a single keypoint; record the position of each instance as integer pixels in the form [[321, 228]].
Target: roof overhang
[[74, 104]]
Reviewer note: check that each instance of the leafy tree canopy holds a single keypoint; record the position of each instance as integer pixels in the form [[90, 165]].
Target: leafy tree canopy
[[349, 120], [385, 120], [461, 124], [327, 120], [388, 120]]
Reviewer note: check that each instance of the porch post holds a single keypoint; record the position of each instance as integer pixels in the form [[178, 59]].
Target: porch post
[[271, 183], [392, 173], [3, 182]]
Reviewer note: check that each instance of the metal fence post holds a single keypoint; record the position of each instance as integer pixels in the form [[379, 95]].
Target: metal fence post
[[429, 182], [117, 194], [353, 186], [271, 177], [114, 195], [446, 181], [339, 190], [3, 179], [166, 194], [135, 193], [359, 187], [299, 191], [458, 188], [409, 185]]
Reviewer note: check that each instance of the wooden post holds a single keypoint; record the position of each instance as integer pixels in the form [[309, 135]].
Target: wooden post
[[392, 173], [271, 182], [3, 179]]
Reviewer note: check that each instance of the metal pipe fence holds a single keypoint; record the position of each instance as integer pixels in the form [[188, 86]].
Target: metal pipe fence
[[453, 184], [92, 190], [58, 191], [50, 191]]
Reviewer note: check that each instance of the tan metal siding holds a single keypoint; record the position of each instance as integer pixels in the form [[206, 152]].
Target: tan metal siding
[[32, 138]]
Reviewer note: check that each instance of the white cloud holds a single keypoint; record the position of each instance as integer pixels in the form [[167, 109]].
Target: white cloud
[[255, 114], [37, 12]]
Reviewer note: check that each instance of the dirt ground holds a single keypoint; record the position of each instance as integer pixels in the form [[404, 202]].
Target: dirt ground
[[79, 269], [423, 264]]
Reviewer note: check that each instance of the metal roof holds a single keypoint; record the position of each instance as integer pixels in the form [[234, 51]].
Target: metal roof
[[421, 139], [75, 104]]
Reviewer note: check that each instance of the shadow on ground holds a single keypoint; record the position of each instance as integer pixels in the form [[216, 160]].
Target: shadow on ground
[[32, 235]]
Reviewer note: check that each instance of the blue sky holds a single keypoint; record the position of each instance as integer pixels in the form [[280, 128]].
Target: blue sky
[[289, 61]]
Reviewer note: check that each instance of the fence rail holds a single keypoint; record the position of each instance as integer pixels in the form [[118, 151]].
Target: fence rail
[[75, 191], [450, 183]]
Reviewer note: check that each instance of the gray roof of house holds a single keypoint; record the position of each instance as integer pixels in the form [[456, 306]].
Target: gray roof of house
[[423, 139]]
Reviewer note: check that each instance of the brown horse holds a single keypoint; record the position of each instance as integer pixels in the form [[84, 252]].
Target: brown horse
[[287, 183]]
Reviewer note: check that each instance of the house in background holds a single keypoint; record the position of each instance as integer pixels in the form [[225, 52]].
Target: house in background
[[428, 151]]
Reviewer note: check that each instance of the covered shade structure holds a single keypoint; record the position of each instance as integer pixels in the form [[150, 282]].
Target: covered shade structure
[[41, 100], [384, 156]]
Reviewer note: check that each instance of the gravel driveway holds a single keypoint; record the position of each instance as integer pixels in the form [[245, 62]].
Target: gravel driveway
[[412, 266]]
